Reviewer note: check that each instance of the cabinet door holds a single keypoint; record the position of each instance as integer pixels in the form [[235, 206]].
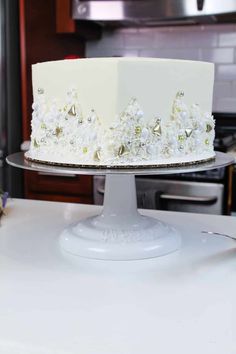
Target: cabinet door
[[69, 188]]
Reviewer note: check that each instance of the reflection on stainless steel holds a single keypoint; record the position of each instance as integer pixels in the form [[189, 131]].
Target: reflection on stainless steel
[[175, 195], [18, 160], [153, 12], [218, 234]]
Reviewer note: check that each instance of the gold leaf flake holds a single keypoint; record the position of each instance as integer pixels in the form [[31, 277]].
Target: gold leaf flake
[[157, 128], [72, 111], [207, 141], [36, 145], [85, 150], [188, 132], [43, 126], [208, 128], [180, 94], [97, 155], [121, 150], [58, 131]]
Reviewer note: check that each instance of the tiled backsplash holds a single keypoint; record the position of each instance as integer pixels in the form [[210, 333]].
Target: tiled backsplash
[[215, 43]]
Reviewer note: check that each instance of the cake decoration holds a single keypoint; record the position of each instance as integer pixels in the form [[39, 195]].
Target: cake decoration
[[129, 138], [188, 132], [157, 128], [40, 91], [208, 128], [72, 111], [97, 155]]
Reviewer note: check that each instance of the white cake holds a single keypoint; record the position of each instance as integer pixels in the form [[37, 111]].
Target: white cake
[[122, 112]]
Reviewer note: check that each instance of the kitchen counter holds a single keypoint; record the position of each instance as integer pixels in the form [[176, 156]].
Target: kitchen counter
[[55, 303]]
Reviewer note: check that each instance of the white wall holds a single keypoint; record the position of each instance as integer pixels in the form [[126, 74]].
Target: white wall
[[215, 43]]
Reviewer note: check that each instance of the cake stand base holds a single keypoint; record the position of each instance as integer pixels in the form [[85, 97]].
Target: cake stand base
[[120, 232]]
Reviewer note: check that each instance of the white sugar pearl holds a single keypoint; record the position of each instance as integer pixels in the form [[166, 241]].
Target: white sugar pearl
[[144, 134], [93, 136], [183, 114], [92, 118], [139, 113], [151, 149]]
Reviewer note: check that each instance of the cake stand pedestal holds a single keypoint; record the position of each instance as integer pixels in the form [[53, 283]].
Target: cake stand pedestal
[[120, 232]]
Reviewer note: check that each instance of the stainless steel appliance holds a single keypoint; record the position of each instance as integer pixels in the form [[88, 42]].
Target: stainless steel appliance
[[10, 99], [176, 195], [154, 12]]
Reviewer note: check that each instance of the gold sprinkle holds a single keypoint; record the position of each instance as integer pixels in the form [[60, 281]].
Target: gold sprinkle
[[97, 155], [43, 126], [72, 111], [188, 132], [58, 131], [207, 141], [121, 150], [138, 130], [181, 138], [208, 128], [157, 128], [85, 150]]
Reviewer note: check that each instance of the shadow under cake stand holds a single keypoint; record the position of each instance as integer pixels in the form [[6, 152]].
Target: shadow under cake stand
[[120, 232]]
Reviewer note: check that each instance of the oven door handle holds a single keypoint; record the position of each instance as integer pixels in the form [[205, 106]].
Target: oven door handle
[[57, 174], [182, 198], [188, 199], [101, 191]]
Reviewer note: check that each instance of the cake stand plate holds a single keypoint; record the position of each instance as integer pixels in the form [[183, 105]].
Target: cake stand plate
[[120, 232]]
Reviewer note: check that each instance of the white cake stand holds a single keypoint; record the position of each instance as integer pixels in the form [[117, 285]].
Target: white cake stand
[[120, 232]]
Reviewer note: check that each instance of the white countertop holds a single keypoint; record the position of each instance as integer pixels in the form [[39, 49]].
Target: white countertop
[[52, 302]]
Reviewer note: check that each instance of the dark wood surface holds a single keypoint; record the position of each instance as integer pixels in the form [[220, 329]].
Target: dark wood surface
[[41, 40], [58, 188]]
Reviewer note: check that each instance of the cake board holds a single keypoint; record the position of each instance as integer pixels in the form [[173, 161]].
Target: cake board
[[120, 232]]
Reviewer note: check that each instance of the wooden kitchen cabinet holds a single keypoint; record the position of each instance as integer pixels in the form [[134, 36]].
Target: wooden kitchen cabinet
[[66, 25], [41, 40], [65, 188]]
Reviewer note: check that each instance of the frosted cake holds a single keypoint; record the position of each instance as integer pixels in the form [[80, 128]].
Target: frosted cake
[[122, 112]]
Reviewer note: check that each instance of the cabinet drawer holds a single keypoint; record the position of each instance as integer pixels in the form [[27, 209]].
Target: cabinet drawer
[[58, 184]]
